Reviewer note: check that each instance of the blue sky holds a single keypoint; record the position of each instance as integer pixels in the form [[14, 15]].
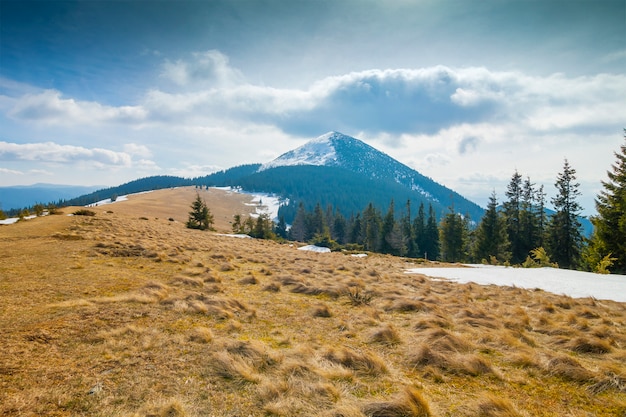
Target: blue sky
[[104, 92]]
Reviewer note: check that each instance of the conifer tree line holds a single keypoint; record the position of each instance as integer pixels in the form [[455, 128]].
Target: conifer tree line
[[519, 231], [370, 230]]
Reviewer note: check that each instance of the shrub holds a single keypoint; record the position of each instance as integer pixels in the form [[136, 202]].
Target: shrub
[[358, 297], [84, 212]]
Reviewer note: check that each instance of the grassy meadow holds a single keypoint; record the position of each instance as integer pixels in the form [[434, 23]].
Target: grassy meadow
[[129, 313]]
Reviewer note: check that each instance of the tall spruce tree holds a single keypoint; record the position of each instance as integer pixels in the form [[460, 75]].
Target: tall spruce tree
[[419, 232], [454, 235], [542, 218], [340, 228], [432, 243], [609, 238], [512, 210], [491, 238], [371, 228], [298, 230], [412, 249], [529, 219], [564, 230]]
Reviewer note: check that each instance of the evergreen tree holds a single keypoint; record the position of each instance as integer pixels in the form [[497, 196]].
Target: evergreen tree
[[431, 245], [419, 232], [263, 227], [298, 231], [528, 219], [281, 227], [542, 219], [392, 239], [609, 238], [454, 237], [386, 229], [200, 216], [318, 224], [355, 234], [511, 209], [329, 219], [237, 225], [409, 235], [371, 225], [340, 228], [564, 229], [491, 237]]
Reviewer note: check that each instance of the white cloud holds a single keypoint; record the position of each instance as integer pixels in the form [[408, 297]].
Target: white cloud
[[53, 152], [205, 69], [10, 171], [49, 107], [452, 124], [146, 165], [137, 150]]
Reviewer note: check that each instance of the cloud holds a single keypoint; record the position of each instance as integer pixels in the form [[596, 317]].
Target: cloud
[[468, 144], [137, 150], [53, 152], [49, 107], [192, 171], [207, 69], [393, 101], [10, 171]]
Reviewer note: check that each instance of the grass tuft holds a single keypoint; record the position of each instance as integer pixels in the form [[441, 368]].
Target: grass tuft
[[360, 362], [410, 404], [386, 335], [569, 369], [493, 406]]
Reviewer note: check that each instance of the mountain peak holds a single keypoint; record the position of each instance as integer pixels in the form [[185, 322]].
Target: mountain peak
[[319, 151]]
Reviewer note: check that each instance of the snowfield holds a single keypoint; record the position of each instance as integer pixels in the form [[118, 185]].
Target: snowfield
[[575, 284]]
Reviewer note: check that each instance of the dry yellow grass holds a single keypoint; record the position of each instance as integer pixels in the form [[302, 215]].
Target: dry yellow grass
[[127, 313]]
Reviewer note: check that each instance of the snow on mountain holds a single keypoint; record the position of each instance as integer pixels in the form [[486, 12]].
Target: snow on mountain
[[320, 151], [339, 150], [335, 149]]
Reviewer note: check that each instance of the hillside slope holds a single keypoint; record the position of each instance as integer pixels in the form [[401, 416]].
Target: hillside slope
[[129, 314]]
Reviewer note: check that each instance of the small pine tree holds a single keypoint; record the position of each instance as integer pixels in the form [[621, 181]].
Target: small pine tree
[[200, 216]]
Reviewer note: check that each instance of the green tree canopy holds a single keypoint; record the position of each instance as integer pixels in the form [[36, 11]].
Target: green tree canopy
[[491, 235], [564, 230], [609, 238], [200, 216]]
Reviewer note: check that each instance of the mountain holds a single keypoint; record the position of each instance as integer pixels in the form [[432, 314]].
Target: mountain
[[346, 173], [21, 196], [335, 149]]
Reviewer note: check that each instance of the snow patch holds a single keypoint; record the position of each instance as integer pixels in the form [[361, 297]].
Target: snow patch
[[265, 204], [575, 284], [313, 248]]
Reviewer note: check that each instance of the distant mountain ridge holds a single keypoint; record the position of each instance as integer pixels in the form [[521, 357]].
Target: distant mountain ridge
[[21, 196], [333, 170]]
